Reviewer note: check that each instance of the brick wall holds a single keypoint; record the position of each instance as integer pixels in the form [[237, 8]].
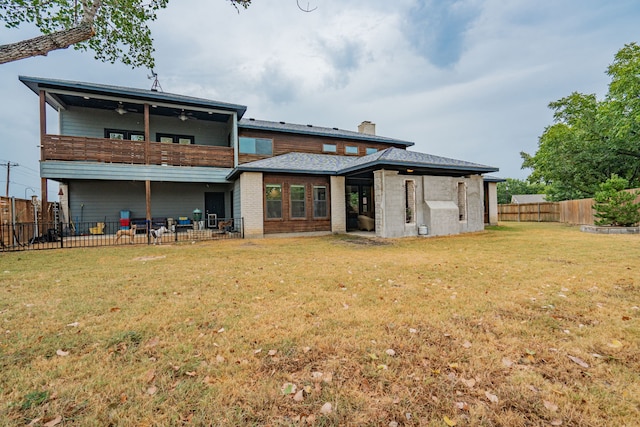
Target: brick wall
[[252, 204]]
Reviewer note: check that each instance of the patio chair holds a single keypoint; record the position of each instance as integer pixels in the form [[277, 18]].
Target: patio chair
[[98, 229]]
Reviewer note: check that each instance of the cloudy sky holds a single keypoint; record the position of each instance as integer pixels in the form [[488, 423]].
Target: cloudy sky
[[466, 79]]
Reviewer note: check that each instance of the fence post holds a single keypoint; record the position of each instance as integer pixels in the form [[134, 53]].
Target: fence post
[[61, 235]]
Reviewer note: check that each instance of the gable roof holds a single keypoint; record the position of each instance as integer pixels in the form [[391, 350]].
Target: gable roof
[[298, 129], [390, 158]]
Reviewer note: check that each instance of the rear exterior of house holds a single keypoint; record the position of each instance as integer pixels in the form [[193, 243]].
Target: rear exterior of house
[[160, 157]]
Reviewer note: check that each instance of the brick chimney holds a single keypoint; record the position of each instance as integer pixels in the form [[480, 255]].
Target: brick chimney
[[367, 127]]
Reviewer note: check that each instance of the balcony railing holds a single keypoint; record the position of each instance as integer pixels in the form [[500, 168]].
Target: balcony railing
[[75, 148]]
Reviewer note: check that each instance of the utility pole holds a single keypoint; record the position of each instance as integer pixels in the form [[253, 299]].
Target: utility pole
[[8, 165]]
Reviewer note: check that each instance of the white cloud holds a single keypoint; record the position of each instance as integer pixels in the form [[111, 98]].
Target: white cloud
[[469, 80]]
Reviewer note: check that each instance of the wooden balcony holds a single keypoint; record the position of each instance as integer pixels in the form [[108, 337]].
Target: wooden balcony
[[74, 148]]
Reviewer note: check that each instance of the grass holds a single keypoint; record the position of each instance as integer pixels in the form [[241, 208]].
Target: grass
[[521, 325]]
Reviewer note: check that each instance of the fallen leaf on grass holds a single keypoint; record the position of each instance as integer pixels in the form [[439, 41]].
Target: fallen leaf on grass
[[448, 421], [54, 422], [507, 362], [556, 422], [272, 352], [221, 330], [288, 388], [492, 397], [150, 376], [469, 383], [615, 344], [390, 352], [466, 344], [550, 406], [152, 390], [73, 325], [578, 361], [190, 373], [114, 309], [34, 421], [219, 359], [326, 409], [625, 318], [62, 353], [299, 396], [152, 342], [463, 406]]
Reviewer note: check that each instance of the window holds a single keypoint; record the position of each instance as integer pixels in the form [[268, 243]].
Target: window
[[371, 150], [351, 149], [329, 148], [261, 146], [131, 135], [175, 139], [409, 201], [462, 201], [274, 201], [319, 202], [298, 209]]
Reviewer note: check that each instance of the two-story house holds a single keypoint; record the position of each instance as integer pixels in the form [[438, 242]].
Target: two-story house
[[157, 154]]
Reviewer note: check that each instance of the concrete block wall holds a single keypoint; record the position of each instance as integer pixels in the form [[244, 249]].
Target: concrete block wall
[[389, 189], [442, 214], [251, 200]]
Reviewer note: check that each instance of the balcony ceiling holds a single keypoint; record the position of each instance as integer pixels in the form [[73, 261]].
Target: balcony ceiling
[[65, 94], [137, 107]]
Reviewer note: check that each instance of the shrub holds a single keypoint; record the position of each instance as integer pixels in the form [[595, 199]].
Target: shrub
[[614, 206]]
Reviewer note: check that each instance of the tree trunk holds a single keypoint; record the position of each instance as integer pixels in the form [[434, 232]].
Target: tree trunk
[[42, 45]]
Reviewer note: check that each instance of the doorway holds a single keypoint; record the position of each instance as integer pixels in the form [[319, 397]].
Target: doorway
[[214, 204], [359, 201]]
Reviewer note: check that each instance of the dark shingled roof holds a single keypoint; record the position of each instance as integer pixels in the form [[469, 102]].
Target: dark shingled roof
[[392, 158], [317, 131]]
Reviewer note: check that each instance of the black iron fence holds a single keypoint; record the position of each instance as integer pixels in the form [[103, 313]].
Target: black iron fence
[[30, 236]]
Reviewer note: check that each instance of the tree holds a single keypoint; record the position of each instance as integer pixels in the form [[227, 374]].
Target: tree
[[116, 30], [516, 186], [614, 206], [590, 139]]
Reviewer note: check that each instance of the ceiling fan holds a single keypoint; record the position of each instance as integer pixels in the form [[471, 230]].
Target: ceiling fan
[[120, 109], [186, 116]]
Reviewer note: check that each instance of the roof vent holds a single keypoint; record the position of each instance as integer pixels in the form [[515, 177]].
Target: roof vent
[[281, 123], [336, 129], [252, 119], [310, 126]]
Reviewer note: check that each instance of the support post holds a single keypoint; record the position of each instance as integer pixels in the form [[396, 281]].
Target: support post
[[43, 181]]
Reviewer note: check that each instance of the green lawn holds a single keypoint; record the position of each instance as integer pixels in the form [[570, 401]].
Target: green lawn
[[521, 325]]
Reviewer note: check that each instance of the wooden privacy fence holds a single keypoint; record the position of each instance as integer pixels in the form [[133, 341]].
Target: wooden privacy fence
[[574, 212], [529, 212]]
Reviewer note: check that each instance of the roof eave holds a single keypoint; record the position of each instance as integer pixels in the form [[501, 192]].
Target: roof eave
[[36, 83], [412, 165], [317, 132], [239, 170]]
